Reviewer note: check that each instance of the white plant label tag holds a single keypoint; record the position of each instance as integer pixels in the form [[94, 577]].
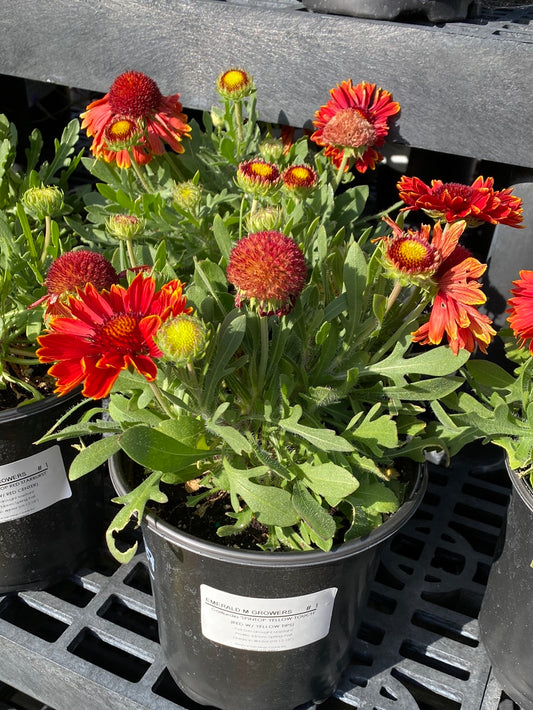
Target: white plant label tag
[[257, 624], [32, 484]]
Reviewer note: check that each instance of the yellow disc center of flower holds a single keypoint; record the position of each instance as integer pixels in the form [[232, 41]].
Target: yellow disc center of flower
[[234, 79], [121, 130], [412, 255], [262, 169], [350, 129]]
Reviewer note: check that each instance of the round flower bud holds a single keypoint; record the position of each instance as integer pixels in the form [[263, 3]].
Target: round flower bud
[[124, 226], [43, 202], [182, 339], [235, 84], [187, 195], [271, 149], [257, 177], [299, 180], [264, 219]]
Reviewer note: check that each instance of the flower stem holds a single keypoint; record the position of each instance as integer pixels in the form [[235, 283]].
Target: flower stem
[[263, 322], [131, 253], [393, 295], [238, 124], [47, 236], [159, 397], [141, 177], [340, 171]]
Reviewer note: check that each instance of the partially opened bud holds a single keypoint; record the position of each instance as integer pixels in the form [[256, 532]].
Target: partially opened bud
[[124, 226], [43, 202]]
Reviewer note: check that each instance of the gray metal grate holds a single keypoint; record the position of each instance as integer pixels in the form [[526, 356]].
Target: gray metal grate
[[92, 639]]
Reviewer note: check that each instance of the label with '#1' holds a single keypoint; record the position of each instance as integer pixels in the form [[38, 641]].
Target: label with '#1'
[[258, 624], [32, 484]]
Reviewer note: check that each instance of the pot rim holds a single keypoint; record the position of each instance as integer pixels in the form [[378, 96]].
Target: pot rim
[[280, 559], [23, 411], [520, 485]]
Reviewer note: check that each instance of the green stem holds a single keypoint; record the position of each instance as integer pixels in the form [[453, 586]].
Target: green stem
[[141, 177], [238, 124], [263, 361], [393, 295], [340, 171], [47, 236], [131, 253], [173, 167], [159, 397]]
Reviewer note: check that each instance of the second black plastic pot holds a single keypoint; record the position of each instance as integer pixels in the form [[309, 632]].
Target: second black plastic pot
[[48, 525], [269, 631], [506, 616]]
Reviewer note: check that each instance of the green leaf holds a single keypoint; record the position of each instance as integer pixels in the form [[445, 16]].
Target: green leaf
[[437, 362], [93, 456], [330, 481], [222, 236], [310, 510], [324, 439], [375, 498], [229, 339], [157, 451], [271, 505], [429, 389], [133, 505], [489, 373]]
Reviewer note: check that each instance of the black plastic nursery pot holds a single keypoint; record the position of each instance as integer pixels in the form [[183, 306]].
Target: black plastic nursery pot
[[48, 525], [270, 631], [433, 10], [506, 616]]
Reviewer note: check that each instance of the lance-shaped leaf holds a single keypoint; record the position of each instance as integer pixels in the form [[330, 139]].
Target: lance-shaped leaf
[[310, 510], [157, 451], [93, 456]]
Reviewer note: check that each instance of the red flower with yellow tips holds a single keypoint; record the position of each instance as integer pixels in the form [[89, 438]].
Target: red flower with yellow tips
[[454, 311], [451, 201], [521, 308], [134, 110], [355, 121], [108, 332]]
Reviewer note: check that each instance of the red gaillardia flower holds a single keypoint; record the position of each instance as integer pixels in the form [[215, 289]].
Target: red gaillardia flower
[[458, 293], [134, 118], [268, 269], [71, 271], [108, 332], [354, 122], [451, 201], [521, 308]]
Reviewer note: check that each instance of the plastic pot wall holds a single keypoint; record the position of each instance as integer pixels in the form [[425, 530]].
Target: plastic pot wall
[[506, 616], [49, 526], [268, 631]]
